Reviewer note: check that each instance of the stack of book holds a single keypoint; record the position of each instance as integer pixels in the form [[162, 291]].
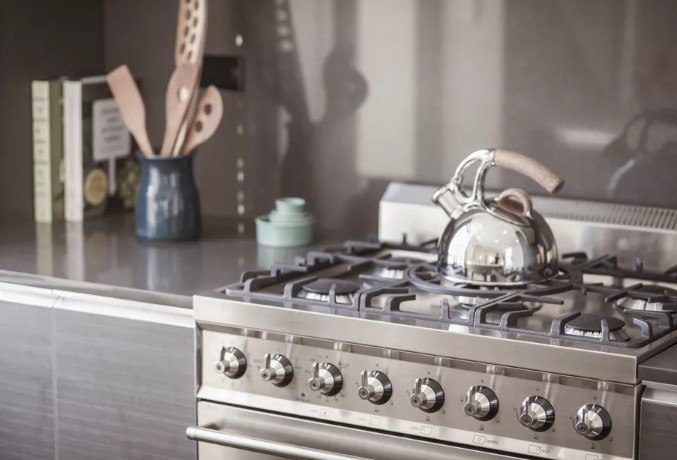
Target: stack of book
[[82, 152]]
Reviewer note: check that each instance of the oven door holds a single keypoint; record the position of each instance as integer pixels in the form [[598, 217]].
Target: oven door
[[233, 433]]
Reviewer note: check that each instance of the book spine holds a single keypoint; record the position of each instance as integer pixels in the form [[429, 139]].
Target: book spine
[[42, 186], [72, 128], [56, 148]]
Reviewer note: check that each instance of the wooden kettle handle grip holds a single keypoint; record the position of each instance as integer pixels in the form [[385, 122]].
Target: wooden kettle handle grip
[[529, 167], [515, 201]]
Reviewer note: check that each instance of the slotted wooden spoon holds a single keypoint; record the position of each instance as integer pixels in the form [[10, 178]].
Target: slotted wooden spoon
[[182, 85], [207, 119], [191, 35], [191, 31]]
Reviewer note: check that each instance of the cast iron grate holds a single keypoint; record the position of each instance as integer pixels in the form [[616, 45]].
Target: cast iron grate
[[359, 257]]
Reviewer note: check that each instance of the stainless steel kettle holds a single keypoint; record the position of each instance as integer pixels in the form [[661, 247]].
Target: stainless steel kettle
[[502, 241]]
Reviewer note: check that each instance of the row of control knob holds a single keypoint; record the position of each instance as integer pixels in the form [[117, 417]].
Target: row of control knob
[[536, 413]]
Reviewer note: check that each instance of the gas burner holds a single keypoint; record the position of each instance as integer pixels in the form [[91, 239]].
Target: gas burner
[[591, 326], [320, 289], [656, 302], [394, 268]]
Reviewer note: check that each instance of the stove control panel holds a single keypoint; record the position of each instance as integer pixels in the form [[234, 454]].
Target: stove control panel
[[513, 410]]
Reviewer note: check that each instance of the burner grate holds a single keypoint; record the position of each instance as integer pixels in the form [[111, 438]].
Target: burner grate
[[359, 258]]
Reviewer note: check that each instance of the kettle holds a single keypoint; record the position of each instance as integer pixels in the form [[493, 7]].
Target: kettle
[[500, 242]]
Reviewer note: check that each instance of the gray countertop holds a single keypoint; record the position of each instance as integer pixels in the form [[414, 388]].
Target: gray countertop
[[662, 368], [101, 255]]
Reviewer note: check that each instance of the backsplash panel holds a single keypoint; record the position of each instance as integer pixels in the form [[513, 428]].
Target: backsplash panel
[[362, 92], [343, 96]]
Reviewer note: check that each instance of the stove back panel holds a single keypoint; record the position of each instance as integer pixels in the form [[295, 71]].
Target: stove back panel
[[593, 227]]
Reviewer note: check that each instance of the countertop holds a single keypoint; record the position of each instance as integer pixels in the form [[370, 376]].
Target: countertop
[[101, 255], [662, 368]]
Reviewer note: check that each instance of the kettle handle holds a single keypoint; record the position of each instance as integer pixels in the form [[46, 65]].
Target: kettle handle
[[529, 167], [515, 201]]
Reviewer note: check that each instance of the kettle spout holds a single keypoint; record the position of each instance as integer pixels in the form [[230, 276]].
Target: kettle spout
[[444, 198]]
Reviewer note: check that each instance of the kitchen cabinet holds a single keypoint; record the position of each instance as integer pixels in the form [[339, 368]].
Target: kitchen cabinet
[[125, 388], [92, 377], [26, 385]]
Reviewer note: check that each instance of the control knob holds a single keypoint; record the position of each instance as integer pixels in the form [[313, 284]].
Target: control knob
[[536, 413], [277, 370], [376, 387], [232, 364], [593, 422], [427, 395], [481, 403], [326, 379]]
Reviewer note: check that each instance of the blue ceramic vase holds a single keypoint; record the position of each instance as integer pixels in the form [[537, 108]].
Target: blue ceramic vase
[[167, 203]]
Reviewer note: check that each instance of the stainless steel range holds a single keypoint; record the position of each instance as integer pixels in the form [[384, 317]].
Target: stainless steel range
[[370, 336], [367, 351]]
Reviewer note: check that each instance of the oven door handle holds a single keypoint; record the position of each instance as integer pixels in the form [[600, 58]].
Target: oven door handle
[[262, 446]]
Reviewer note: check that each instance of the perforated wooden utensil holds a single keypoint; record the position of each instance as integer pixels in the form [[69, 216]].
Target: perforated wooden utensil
[[182, 85], [191, 31], [191, 34], [207, 119], [129, 101]]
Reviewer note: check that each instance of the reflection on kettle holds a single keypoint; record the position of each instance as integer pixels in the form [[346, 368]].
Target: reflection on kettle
[[500, 242]]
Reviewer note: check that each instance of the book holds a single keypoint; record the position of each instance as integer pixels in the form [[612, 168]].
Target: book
[[48, 184], [101, 173]]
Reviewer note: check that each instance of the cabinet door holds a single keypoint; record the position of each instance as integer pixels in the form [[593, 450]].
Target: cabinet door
[[26, 388], [126, 388], [658, 425]]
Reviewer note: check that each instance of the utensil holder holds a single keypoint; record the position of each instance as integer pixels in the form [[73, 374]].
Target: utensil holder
[[168, 202]]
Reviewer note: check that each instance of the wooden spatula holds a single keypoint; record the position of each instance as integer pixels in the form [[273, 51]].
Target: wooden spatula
[[182, 85], [128, 98], [207, 119]]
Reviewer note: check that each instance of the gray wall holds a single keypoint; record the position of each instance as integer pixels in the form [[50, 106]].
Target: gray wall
[[38, 39], [343, 96]]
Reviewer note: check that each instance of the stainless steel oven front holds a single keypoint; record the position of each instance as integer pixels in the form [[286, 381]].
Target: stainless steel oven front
[[269, 393], [228, 432]]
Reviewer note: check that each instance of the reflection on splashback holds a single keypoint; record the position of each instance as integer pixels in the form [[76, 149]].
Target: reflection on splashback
[[351, 94]]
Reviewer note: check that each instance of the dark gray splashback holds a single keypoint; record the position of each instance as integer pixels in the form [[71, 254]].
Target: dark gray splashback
[[343, 96], [351, 94]]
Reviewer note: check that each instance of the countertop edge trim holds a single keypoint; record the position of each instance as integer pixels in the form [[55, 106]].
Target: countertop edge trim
[[27, 295], [125, 309]]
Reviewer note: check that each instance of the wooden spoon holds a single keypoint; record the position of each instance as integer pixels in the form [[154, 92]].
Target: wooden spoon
[[129, 101], [182, 85], [191, 31], [191, 35], [207, 119]]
